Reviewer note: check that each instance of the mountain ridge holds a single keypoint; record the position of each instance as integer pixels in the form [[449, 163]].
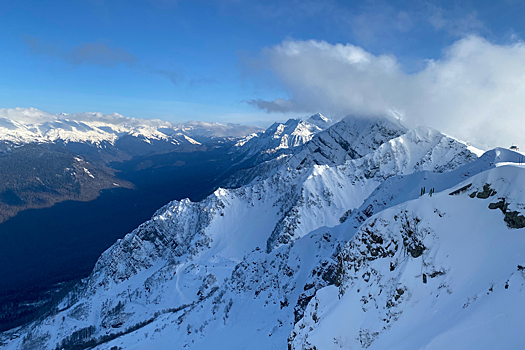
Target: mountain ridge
[[350, 224]]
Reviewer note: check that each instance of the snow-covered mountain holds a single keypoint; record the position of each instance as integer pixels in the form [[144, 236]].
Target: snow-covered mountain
[[46, 147], [208, 130], [278, 137], [29, 125], [370, 236], [320, 120], [258, 155], [350, 138], [438, 272]]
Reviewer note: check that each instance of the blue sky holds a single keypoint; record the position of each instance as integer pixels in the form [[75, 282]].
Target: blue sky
[[216, 60]]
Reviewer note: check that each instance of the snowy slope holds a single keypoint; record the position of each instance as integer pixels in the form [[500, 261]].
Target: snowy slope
[[224, 271], [440, 272]]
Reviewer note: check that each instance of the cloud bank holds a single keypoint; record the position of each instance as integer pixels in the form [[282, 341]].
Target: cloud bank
[[475, 92]]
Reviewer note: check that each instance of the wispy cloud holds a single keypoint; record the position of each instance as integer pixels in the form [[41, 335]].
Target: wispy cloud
[[475, 91], [178, 77], [279, 105], [175, 77], [96, 53], [455, 22], [379, 23]]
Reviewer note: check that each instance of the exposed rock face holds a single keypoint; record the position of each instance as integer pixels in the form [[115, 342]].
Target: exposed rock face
[[514, 219]]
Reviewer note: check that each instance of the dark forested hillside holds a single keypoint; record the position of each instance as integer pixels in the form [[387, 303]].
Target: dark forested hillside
[[40, 175]]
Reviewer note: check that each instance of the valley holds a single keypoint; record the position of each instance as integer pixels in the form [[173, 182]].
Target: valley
[[47, 249], [59, 244]]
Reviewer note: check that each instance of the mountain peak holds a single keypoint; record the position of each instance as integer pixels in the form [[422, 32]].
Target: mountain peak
[[279, 137], [320, 120]]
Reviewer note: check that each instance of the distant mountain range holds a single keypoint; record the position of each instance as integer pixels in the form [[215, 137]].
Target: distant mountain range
[[29, 125]]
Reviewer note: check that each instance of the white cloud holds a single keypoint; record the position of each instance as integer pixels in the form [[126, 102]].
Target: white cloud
[[474, 92]]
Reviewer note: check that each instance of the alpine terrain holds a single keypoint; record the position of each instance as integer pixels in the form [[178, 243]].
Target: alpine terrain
[[360, 234], [72, 184]]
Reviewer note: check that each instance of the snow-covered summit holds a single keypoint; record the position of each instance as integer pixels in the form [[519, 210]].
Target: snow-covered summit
[[351, 138], [320, 120], [279, 137], [258, 155], [307, 144]]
